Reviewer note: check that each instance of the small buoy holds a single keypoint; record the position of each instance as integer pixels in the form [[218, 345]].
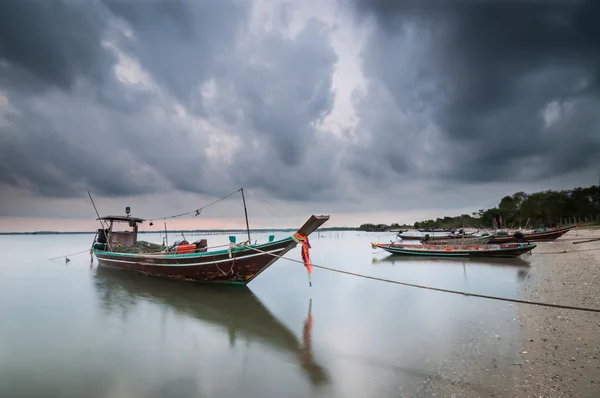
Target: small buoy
[[67, 259]]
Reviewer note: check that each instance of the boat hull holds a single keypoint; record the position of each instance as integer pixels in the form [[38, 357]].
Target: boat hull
[[218, 267], [513, 250]]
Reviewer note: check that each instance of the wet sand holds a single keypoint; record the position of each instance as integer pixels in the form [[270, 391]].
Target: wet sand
[[560, 349], [553, 352]]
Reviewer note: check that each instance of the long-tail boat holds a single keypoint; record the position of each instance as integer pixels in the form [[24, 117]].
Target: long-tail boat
[[239, 263], [482, 240], [533, 236], [429, 237], [475, 250], [236, 310]]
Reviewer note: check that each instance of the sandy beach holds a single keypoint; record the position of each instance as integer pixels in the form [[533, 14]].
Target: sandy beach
[[560, 349], [555, 352]]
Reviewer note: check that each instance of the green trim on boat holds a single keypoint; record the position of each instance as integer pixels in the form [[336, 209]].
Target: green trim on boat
[[202, 254]]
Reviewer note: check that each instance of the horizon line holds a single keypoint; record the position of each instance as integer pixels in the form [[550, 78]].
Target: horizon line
[[240, 230]]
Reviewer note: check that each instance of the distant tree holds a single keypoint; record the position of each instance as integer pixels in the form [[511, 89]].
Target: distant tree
[[546, 207]]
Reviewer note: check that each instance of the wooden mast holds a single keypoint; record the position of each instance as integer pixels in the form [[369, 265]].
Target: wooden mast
[[101, 223], [246, 214]]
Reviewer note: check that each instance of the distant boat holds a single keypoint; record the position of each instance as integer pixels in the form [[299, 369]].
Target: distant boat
[[445, 236], [537, 235], [469, 250], [469, 239], [237, 263]]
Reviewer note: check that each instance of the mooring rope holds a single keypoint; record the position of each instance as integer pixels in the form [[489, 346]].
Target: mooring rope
[[572, 251], [68, 255], [437, 289], [269, 210], [198, 210]]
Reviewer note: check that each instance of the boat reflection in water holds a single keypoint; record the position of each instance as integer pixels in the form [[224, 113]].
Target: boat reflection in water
[[235, 308], [522, 266]]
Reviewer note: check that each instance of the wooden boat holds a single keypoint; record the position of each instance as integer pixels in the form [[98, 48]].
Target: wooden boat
[[533, 236], [436, 237], [477, 250], [234, 309], [482, 240], [238, 264]]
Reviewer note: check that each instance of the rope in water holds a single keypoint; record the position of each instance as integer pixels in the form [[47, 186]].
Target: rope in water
[[72, 254], [437, 289], [572, 251]]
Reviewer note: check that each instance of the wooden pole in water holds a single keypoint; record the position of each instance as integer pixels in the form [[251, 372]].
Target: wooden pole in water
[[462, 237], [166, 236], [586, 241], [246, 214]]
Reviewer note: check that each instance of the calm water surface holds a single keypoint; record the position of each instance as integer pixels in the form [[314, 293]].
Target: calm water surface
[[75, 330]]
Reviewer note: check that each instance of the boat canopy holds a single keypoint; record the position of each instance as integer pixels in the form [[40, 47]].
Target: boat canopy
[[122, 219]]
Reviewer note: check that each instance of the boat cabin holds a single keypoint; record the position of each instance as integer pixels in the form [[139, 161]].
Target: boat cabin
[[112, 237]]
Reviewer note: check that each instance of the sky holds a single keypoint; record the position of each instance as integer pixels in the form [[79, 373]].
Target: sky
[[367, 110]]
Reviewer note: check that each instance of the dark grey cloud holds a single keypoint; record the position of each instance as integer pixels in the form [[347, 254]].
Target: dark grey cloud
[[50, 44], [278, 102], [220, 105], [482, 90], [182, 43]]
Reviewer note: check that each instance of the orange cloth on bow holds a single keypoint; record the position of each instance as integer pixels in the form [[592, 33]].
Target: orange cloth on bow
[[305, 254]]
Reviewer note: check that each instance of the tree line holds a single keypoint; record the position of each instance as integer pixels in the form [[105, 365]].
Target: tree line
[[548, 208]]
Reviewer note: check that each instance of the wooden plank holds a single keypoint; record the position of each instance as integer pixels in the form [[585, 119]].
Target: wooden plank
[[312, 224], [586, 241]]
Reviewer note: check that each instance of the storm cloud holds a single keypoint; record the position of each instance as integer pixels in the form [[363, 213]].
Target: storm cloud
[[142, 97], [128, 98], [481, 90]]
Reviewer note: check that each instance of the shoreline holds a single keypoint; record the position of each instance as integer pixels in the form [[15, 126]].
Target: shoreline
[[559, 349]]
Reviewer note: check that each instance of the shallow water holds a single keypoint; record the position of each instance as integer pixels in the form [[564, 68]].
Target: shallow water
[[73, 330]]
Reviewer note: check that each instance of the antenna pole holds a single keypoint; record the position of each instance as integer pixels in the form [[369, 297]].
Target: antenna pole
[[246, 214], [95, 209]]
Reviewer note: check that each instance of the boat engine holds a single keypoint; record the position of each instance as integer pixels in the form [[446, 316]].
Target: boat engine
[[101, 238], [201, 245], [519, 237]]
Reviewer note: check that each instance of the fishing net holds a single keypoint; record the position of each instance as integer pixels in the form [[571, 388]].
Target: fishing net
[[140, 247]]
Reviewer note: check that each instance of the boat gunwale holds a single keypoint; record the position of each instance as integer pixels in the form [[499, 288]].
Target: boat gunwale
[[140, 260], [192, 255]]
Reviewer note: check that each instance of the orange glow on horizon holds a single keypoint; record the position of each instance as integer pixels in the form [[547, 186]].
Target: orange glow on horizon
[[31, 224]]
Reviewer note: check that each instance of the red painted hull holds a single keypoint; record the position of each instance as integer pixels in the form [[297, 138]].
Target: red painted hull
[[534, 236]]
